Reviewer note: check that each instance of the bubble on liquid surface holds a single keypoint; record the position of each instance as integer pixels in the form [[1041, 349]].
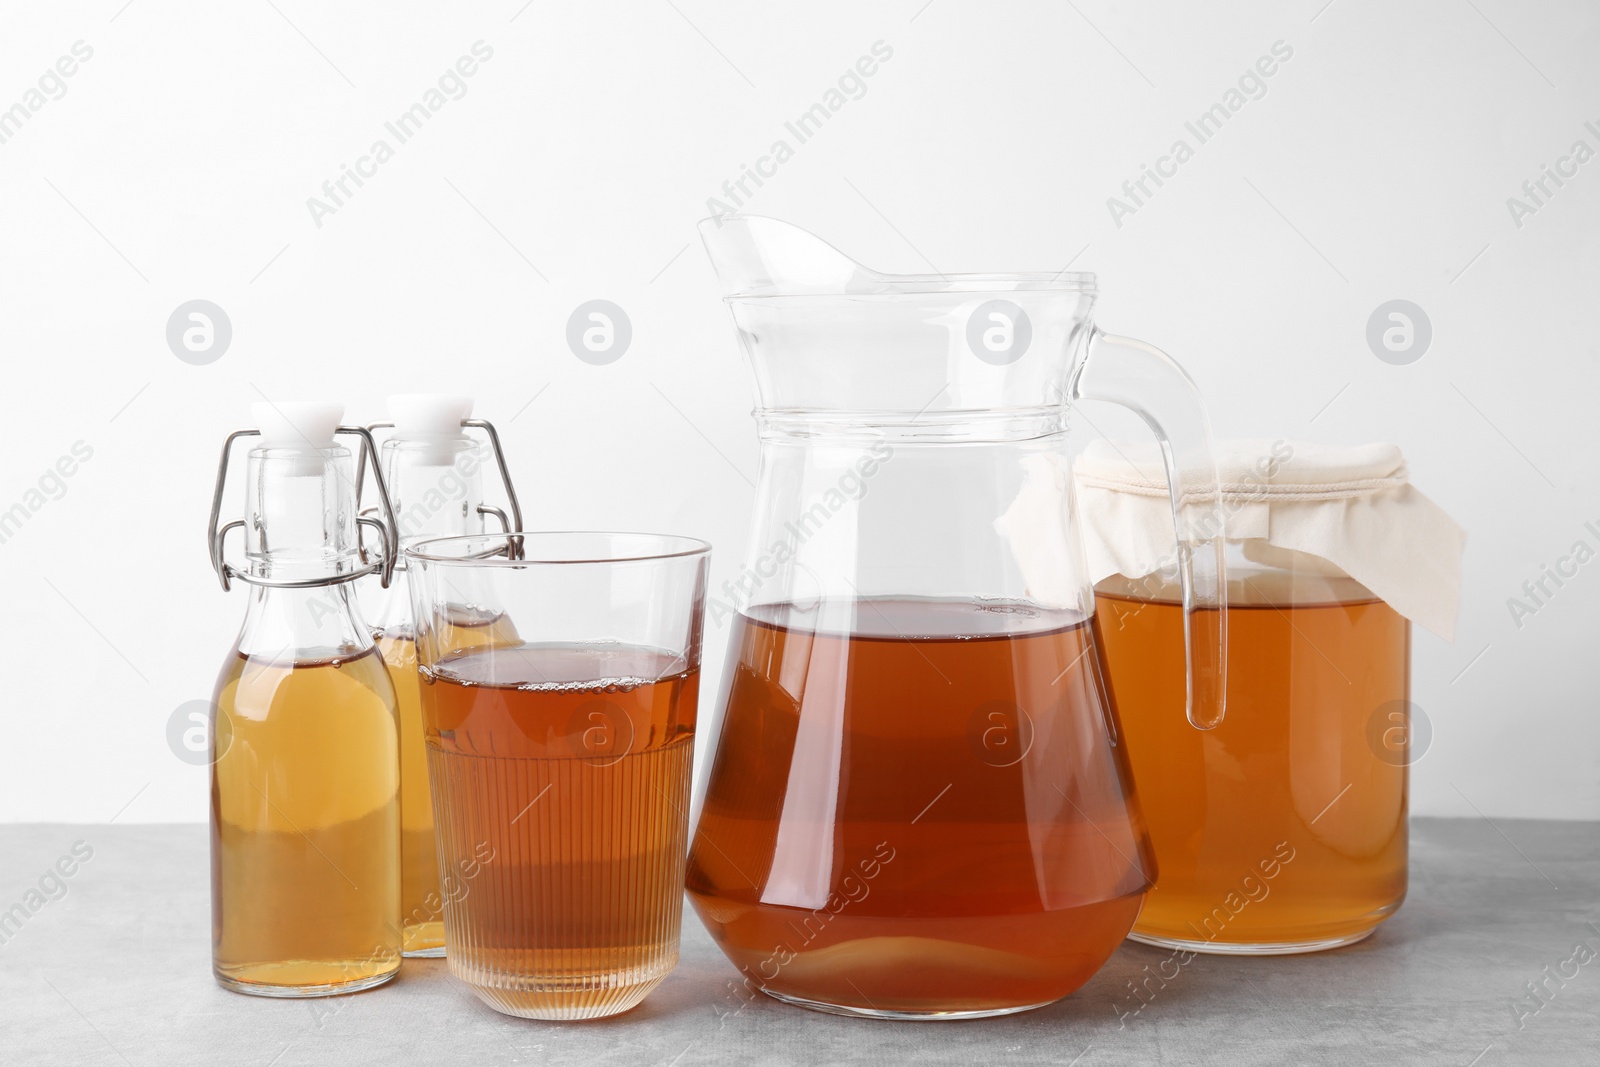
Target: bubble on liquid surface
[[1009, 607], [595, 685]]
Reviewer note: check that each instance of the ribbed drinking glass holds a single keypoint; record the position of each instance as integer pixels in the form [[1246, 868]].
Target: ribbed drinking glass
[[560, 674]]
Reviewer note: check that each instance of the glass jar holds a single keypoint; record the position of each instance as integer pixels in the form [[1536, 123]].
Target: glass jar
[[1284, 828]]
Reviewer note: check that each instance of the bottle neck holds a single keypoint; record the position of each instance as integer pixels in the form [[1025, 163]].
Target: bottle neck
[[300, 525], [436, 485], [300, 513], [313, 624]]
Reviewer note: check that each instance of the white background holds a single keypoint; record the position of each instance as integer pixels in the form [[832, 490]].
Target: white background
[[178, 164]]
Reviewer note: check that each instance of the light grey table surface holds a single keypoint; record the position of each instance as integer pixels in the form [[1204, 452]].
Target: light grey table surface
[[117, 971]]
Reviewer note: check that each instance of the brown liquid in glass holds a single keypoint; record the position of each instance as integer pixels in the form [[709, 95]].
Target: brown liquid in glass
[[1315, 666], [561, 788], [919, 811]]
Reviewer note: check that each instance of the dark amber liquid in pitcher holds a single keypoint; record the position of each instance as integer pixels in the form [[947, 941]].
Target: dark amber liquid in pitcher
[[919, 810]]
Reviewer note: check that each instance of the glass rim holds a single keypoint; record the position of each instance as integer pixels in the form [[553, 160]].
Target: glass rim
[[667, 546]]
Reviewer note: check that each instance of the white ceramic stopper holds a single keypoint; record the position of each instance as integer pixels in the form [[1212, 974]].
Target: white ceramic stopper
[[307, 424], [428, 414]]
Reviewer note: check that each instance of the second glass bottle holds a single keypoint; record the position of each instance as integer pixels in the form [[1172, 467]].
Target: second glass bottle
[[434, 473]]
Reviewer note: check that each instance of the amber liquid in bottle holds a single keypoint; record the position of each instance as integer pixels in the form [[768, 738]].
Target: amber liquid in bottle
[[922, 814], [561, 784], [1284, 828], [421, 902], [421, 907], [304, 841]]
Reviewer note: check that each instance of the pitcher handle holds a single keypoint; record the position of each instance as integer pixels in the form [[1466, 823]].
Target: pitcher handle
[[1147, 381]]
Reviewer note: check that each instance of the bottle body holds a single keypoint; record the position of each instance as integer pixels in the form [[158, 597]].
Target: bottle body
[[421, 906], [436, 482], [305, 806]]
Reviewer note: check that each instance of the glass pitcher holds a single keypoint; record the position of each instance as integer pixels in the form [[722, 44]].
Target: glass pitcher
[[918, 805]]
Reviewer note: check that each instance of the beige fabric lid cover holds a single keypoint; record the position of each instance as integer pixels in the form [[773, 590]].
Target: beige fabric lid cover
[[1290, 504]]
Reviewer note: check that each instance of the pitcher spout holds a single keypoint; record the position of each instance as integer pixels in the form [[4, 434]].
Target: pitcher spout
[[757, 256]]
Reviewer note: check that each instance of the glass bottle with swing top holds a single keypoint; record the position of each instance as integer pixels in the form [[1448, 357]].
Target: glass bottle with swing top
[[433, 470], [305, 774]]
